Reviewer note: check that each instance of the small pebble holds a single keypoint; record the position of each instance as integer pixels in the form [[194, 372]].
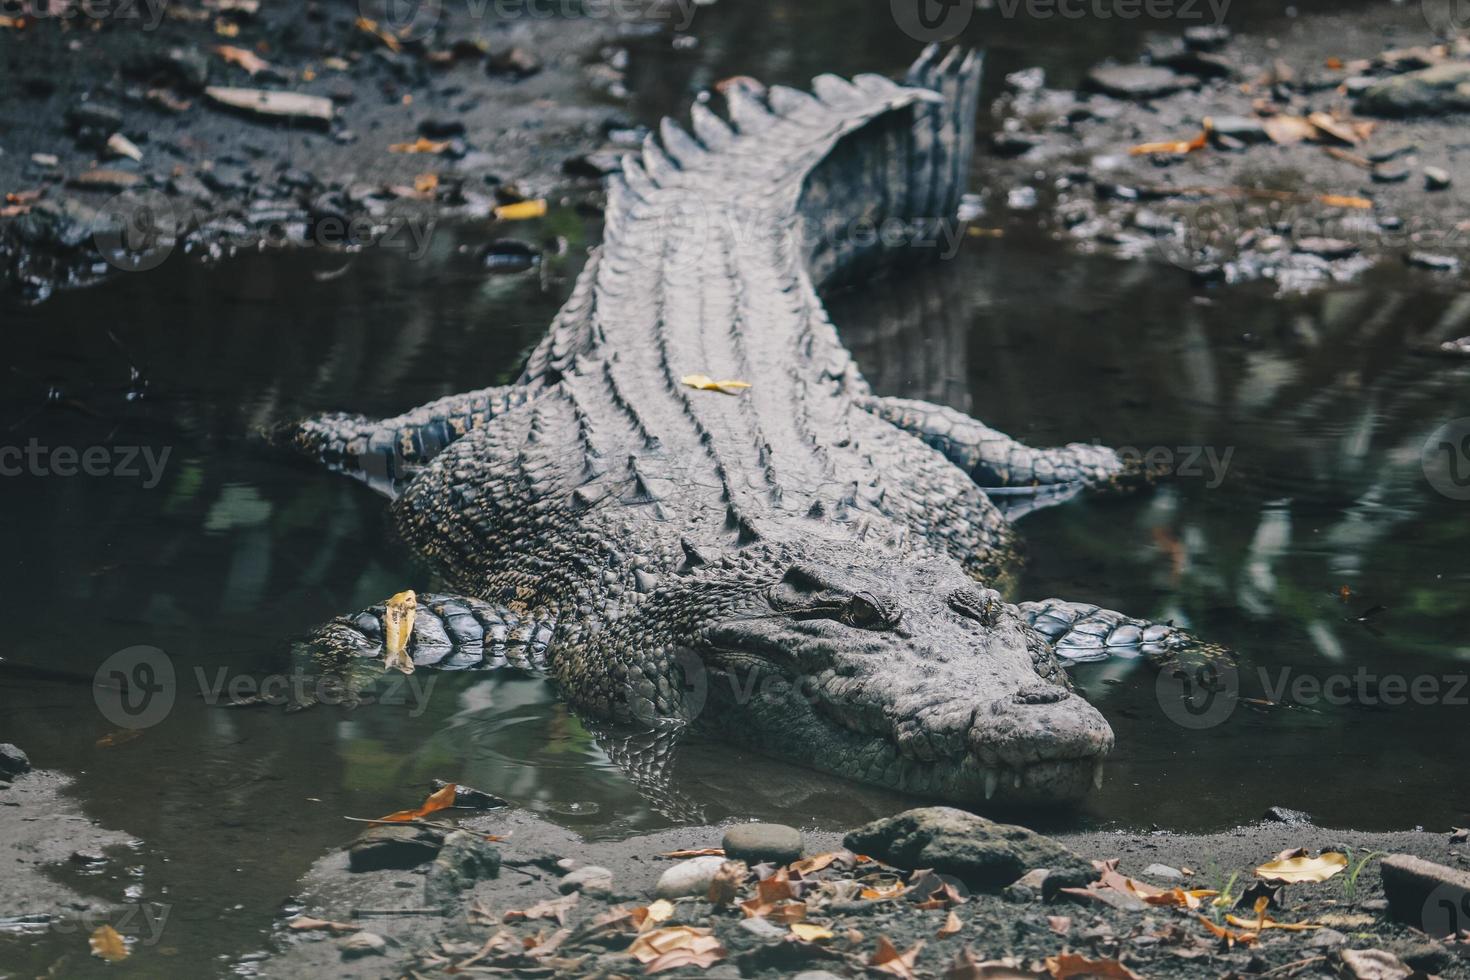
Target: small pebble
[[1436, 178], [691, 877]]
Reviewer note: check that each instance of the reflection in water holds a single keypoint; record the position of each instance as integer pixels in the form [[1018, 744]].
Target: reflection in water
[[1322, 513]]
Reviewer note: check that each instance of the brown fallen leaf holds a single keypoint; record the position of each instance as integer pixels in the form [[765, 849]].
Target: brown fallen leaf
[[552, 908], [724, 888], [1327, 125], [420, 145], [651, 945], [815, 863], [244, 58], [440, 799], [675, 959], [1065, 965], [888, 959], [108, 944], [399, 613], [521, 210], [1297, 867], [1176, 147], [369, 26], [1180, 898], [306, 923], [120, 737], [1286, 130], [810, 932], [1344, 201], [952, 925], [697, 852]]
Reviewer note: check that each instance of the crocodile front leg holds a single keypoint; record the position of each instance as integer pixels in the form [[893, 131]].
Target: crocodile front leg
[[386, 453], [1000, 464], [442, 632], [1081, 633]]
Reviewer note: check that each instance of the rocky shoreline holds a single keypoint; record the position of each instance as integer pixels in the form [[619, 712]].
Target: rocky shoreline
[[241, 126], [929, 892], [1303, 157]]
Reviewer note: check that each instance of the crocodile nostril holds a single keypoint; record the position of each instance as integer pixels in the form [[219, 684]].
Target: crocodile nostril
[[1040, 694]]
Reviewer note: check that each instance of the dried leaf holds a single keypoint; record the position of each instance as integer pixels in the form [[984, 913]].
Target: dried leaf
[[810, 932], [705, 383], [1374, 964], [1059, 924], [659, 911], [1286, 130], [1066, 965], [521, 211], [1220, 932], [399, 613], [1326, 125], [1344, 201], [253, 63], [420, 145], [1299, 867], [108, 944], [952, 925], [120, 737], [776, 888], [964, 966], [675, 959], [1177, 147], [724, 888], [888, 959], [440, 799], [1261, 922], [424, 185], [307, 924], [552, 908], [651, 945], [1180, 898], [815, 863], [369, 26]]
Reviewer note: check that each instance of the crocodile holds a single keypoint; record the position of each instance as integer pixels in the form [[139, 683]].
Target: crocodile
[[783, 558]]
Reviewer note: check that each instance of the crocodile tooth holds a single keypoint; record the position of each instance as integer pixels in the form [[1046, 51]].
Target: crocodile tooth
[[1097, 773], [992, 780]]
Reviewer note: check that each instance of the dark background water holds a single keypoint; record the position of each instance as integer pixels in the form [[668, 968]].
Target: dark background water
[[1323, 514]]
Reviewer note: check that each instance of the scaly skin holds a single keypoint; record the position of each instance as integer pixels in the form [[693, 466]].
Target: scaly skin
[[796, 566]]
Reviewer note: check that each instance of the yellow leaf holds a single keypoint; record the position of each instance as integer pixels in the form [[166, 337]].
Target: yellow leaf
[[398, 616], [243, 57], [1266, 922], [660, 911], [108, 944], [703, 382], [1344, 201], [1296, 869], [368, 26], [810, 932], [425, 184], [1176, 147], [440, 799], [651, 945], [420, 145], [521, 210]]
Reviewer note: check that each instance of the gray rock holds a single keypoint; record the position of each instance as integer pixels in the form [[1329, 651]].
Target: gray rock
[[755, 843], [363, 944], [1436, 178], [1390, 173], [387, 847], [1425, 895], [591, 880], [1325, 939], [1432, 261], [13, 761], [763, 929], [1136, 81], [464, 859], [1326, 248], [1207, 37], [980, 852], [1163, 871], [1391, 152], [691, 877], [1432, 91], [90, 115], [1290, 817]]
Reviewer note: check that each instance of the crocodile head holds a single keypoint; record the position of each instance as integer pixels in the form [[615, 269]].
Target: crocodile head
[[886, 669]]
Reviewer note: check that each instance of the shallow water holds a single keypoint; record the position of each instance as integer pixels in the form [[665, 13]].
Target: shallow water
[[1312, 512]]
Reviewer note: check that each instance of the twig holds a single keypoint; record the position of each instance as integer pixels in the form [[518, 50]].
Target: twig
[[1293, 967], [427, 824]]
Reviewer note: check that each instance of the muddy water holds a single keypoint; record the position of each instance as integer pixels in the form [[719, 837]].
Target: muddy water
[[1300, 529]]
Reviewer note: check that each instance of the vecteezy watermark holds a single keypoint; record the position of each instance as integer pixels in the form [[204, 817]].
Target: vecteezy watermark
[[932, 20], [146, 14], [137, 688], [1446, 18], [415, 20], [1205, 695], [127, 462], [1446, 911], [1189, 11], [1446, 459], [1186, 461], [140, 922], [139, 230]]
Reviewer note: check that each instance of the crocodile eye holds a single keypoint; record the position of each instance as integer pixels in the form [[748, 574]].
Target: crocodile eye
[[865, 611], [974, 604]]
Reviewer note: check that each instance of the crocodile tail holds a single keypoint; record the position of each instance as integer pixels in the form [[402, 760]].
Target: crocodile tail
[[893, 188]]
